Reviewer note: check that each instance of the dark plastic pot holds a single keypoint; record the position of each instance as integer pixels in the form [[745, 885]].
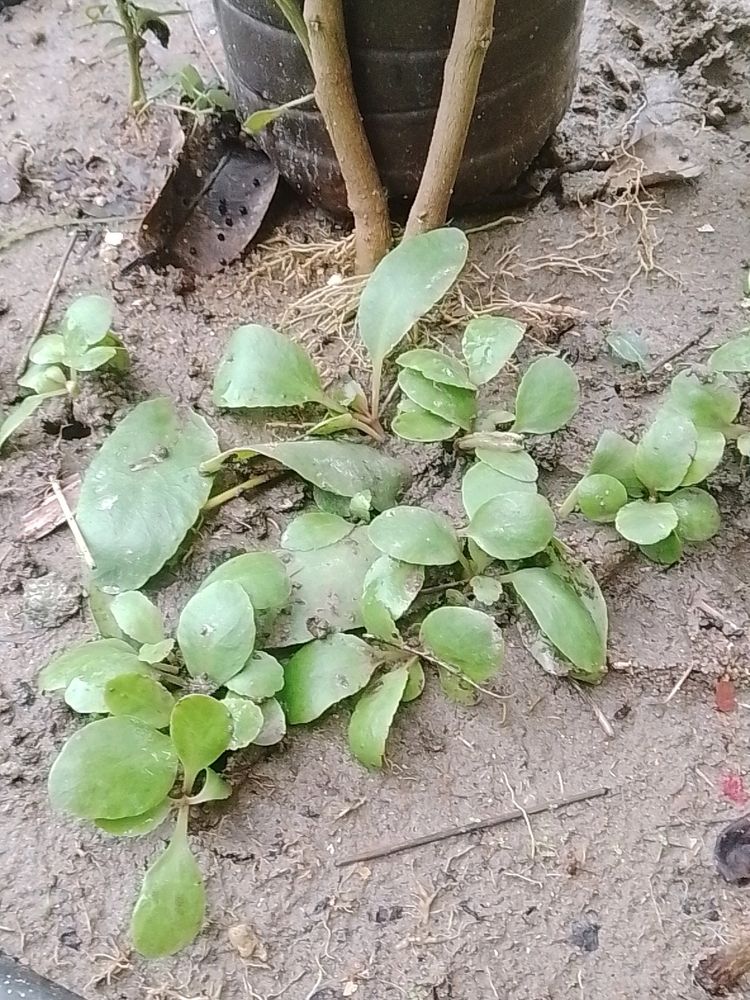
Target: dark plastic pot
[[398, 50], [17, 982]]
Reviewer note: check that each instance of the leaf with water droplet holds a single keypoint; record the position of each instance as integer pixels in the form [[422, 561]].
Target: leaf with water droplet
[[415, 535], [488, 345]]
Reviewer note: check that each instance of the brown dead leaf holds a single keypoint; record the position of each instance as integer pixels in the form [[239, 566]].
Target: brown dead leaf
[[247, 944]]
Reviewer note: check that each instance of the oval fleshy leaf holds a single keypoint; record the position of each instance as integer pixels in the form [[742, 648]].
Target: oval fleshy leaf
[[734, 356], [614, 456], [437, 367], [155, 652], [274, 724], [99, 658], [405, 285], [665, 453], [646, 523], [513, 526], [112, 768], [667, 552], [563, 619], [373, 716], [262, 367], [415, 682], [137, 826], [48, 349], [140, 698], [488, 345], [216, 631], [698, 513], [708, 455], [712, 402], [413, 423], [465, 639], [454, 406], [516, 464], [262, 575], [172, 903], [315, 530], [415, 535], [88, 320], [260, 678], [43, 378], [390, 588], [323, 673], [137, 616], [201, 730], [247, 720], [143, 491], [481, 483], [600, 497], [547, 397], [629, 348]]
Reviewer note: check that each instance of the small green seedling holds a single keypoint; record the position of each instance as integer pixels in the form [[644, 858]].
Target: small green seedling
[[198, 97], [84, 343]]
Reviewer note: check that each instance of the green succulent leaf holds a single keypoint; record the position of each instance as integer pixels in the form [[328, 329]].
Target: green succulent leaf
[[172, 903], [574, 572], [139, 697], [743, 446], [437, 367], [481, 483], [413, 423], [600, 497], [260, 678], [563, 619], [488, 345], [415, 682], [137, 617], [43, 378], [274, 724], [16, 415], [629, 348], [405, 285], [215, 789], [415, 535], [216, 631], [262, 367], [99, 659], [323, 673], [665, 454], [547, 397], [614, 456], [93, 358], [390, 588], [698, 513], [87, 320], [711, 402], [708, 454], [516, 464], [646, 523], [453, 405], [143, 491], [373, 717], [155, 652], [247, 720], [734, 356], [315, 530], [486, 589], [465, 639], [112, 768], [201, 730], [513, 526], [48, 349], [263, 577], [667, 552], [137, 826], [328, 584]]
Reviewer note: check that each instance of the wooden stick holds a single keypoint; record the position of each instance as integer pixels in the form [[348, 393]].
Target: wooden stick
[[463, 68], [47, 305], [484, 824], [72, 524], [337, 101]]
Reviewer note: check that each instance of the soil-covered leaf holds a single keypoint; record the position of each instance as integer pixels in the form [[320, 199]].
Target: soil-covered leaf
[[137, 826], [262, 367], [201, 730], [260, 678], [664, 454], [563, 619], [481, 483], [600, 497], [342, 468], [247, 720], [143, 491], [373, 716], [415, 535], [315, 530], [465, 639], [734, 356], [574, 571], [488, 344], [414, 423], [112, 768], [137, 616], [614, 456], [629, 348], [516, 464], [139, 697], [172, 903], [328, 584], [646, 523], [405, 285], [547, 397], [698, 513], [451, 404], [437, 367], [711, 402], [274, 724], [323, 673], [457, 688], [513, 525], [216, 631]]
